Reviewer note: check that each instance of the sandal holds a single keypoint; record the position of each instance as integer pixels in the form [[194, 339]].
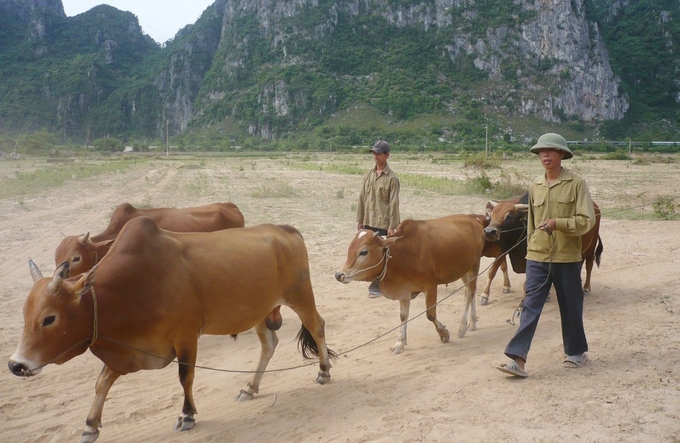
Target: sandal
[[512, 368], [575, 361]]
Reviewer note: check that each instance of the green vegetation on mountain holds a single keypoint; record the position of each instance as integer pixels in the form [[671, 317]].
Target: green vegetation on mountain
[[325, 77]]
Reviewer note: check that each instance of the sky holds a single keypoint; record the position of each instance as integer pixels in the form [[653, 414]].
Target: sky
[[160, 19]]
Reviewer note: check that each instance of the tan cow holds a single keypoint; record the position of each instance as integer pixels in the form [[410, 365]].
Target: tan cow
[[155, 292], [421, 255], [82, 252]]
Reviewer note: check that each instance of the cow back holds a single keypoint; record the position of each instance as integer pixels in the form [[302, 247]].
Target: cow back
[[442, 249], [83, 254]]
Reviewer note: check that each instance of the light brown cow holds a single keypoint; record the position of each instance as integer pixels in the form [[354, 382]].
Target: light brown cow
[[421, 255], [82, 252], [155, 292]]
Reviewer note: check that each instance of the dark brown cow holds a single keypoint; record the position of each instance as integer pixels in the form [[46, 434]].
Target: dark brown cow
[[508, 227], [493, 250], [155, 292], [421, 255], [82, 252]]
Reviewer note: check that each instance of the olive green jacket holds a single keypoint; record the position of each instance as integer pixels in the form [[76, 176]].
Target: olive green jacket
[[567, 201], [379, 200]]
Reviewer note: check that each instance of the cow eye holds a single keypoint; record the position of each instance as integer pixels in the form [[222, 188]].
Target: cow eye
[[76, 259], [364, 252], [48, 320]]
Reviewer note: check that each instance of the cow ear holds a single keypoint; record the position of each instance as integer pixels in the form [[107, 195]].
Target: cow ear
[[389, 240], [522, 209], [103, 244], [491, 204], [84, 283]]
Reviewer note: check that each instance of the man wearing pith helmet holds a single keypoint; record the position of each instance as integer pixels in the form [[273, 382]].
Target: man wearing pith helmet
[[560, 212]]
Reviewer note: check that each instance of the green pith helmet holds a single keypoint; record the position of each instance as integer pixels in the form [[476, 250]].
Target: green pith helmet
[[554, 141]]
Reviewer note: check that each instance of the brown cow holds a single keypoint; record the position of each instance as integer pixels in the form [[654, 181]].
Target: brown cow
[[493, 250], [421, 255], [156, 292], [508, 227], [82, 252]]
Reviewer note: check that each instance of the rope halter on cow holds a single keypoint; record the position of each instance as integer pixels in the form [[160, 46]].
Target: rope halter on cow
[[385, 258]]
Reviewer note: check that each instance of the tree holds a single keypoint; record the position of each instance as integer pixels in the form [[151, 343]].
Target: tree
[[108, 144]]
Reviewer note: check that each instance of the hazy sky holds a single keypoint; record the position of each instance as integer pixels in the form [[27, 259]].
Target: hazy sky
[[161, 19]]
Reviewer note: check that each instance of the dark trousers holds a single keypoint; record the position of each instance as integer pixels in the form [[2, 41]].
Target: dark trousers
[[375, 285], [566, 277]]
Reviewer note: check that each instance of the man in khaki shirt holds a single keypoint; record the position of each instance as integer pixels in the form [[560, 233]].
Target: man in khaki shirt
[[560, 212], [378, 208]]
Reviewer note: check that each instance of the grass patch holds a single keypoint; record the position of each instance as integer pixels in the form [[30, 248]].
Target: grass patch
[[441, 185], [39, 177], [275, 190], [334, 168]]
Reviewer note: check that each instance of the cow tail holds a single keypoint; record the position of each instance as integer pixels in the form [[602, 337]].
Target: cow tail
[[307, 345], [598, 251]]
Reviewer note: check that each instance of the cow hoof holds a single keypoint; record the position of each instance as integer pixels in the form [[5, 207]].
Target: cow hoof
[[444, 336], [462, 331], [323, 378], [184, 423], [506, 290], [244, 396], [484, 300], [89, 436], [398, 348], [586, 292]]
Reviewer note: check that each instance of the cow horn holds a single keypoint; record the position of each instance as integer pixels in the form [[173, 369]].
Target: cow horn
[[61, 272], [35, 271], [521, 207], [83, 238], [492, 203]]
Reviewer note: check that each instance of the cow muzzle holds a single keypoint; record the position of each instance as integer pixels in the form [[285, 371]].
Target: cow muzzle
[[342, 277], [21, 369], [492, 234]]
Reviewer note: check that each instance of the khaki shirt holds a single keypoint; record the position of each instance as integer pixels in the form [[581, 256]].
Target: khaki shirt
[[379, 200], [568, 201]]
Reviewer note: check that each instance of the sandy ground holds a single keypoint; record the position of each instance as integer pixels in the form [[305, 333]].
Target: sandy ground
[[433, 392]]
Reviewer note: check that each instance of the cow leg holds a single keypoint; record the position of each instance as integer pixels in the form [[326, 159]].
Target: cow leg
[[94, 418], [315, 324], [589, 269], [491, 274], [470, 287], [268, 342], [431, 313], [404, 306], [506, 277], [187, 361]]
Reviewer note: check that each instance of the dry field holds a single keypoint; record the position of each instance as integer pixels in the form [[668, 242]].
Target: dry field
[[433, 392]]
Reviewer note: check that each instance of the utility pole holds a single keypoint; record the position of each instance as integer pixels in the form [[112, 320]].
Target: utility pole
[[486, 150], [167, 140]]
